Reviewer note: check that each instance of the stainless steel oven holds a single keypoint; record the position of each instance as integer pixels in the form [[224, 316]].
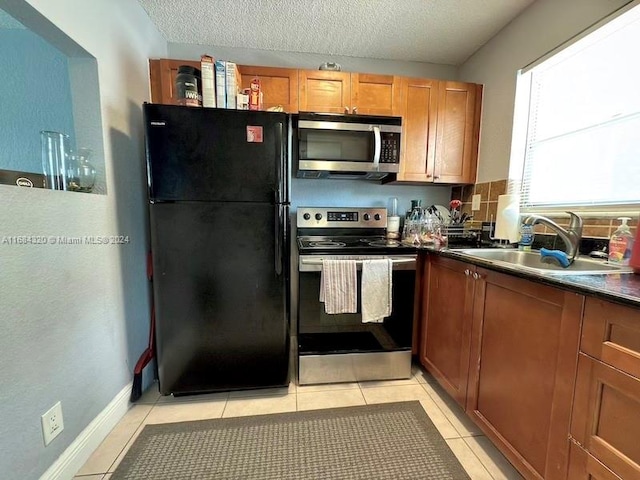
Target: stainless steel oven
[[340, 347], [351, 146]]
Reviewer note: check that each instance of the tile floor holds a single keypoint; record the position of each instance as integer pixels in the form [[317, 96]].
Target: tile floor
[[476, 453]]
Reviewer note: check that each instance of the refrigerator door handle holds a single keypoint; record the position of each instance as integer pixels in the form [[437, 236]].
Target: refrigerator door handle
[[279, 237], [280, 162]]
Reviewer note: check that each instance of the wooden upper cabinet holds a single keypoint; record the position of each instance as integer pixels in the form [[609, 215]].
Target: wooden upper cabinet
[[348, 93], [279, 85], [162, 73], [441, 128], [456, 154], [417, 104], [324, 91], [374, 94]]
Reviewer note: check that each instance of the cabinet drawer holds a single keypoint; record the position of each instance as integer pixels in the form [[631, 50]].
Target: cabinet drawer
[[583, 466], [606, 416], [611, 333]]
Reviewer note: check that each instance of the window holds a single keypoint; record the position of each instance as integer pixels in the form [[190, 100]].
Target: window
[[582, 113]]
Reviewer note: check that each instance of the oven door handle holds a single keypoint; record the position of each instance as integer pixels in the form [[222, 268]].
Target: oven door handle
[[315, 264]]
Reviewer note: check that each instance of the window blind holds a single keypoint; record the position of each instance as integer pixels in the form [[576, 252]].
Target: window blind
[[583, 136]]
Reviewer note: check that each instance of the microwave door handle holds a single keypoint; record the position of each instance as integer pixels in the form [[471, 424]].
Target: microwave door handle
[[377, 147]]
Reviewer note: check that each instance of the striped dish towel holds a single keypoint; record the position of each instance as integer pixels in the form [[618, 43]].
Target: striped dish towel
[[376, 289], [338, 286]]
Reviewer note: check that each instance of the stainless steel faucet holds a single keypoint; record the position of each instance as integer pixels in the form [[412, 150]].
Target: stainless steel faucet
[[571, 236]]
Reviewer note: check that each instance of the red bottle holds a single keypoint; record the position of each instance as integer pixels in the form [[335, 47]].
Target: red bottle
[[634, 261]]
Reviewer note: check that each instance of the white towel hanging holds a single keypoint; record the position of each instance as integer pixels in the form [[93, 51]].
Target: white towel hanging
[[376, 290]]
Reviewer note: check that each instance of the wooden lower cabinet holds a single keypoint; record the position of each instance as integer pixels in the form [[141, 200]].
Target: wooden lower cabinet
[[611, 334], [446, 324], [525, 339], [606, 416], [551, 377], [583, 466], [505, 348]]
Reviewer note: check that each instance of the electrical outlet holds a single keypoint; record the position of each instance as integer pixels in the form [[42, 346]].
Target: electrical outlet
[[52, 423], [475, 202]]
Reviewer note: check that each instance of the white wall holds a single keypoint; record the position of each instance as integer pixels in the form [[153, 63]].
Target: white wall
[[539, 29], [75, 317]]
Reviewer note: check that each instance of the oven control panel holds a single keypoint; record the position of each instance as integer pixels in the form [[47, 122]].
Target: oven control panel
[[341, 217]]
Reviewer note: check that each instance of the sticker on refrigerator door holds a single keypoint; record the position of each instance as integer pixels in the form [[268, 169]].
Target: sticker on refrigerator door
[[254, 134]]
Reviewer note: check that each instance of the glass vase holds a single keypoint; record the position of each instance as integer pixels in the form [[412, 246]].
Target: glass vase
[[81, 175]]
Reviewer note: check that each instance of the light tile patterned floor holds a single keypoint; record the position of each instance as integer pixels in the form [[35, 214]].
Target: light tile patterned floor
[[477, 455]]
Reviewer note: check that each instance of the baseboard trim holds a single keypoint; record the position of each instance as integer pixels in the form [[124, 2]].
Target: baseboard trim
[[76, 454]]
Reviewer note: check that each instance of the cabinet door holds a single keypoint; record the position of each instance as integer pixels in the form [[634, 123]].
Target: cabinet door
[[373, 94], [606, 416], [279, 85], [611, 333], [446, 324], [324, 92], [456, 152], [524, 347], [162, 74], [417, 106], [583, 466]]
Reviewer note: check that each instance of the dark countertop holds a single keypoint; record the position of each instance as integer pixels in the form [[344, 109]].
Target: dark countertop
[[617, 287]]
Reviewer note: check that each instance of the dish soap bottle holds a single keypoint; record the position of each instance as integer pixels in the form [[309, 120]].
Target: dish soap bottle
[[621, 243]]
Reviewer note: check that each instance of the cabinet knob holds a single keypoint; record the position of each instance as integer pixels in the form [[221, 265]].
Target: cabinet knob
[[355, 110], [436, 177], [346, 110], [467, 272], [476, 276], [428, 175]]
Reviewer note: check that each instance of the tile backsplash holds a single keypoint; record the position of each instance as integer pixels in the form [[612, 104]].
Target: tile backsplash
[[597, 227]]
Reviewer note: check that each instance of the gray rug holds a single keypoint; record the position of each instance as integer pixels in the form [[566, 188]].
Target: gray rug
[[385, 441]]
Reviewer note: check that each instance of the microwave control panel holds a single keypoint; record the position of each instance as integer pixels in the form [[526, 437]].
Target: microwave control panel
[[390, 152]]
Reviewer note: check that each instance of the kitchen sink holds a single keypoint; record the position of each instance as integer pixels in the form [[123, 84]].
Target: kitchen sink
[[532, 261]]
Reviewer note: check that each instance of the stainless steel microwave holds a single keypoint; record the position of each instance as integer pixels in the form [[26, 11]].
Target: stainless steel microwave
[[347, 146]]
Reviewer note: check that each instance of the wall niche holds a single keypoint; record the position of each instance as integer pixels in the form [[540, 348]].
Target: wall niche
[[50, 85]]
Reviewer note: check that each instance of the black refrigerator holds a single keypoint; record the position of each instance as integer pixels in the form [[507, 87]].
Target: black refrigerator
[[219, 219]]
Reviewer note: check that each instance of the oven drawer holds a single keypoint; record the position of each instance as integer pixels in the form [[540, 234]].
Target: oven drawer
[[354, 367], [400, 262]]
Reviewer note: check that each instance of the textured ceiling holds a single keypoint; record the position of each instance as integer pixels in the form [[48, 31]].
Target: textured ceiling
[[436, 31]]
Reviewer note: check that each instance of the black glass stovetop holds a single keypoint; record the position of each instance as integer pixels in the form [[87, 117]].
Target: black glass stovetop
[[351, 244]]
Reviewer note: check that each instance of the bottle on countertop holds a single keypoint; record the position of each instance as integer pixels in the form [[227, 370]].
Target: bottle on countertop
[[621, 243], [634, 261], [526, 237]]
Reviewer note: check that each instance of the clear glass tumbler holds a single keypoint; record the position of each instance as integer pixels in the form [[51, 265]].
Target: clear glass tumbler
[[55, 152]]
